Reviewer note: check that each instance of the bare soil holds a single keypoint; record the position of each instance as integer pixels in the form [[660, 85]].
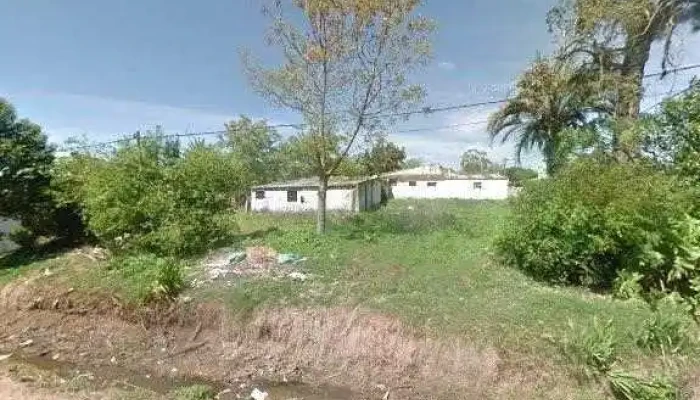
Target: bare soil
[[335, 353]]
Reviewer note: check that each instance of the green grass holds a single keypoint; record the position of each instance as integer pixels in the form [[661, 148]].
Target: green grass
[[431, 264]]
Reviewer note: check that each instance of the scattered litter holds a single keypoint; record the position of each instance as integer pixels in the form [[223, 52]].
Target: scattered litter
[[113, 360], [4, 357], [56, 357], [258, 395], [298, 276], [290, 258], [26, 343], [228, 263], [47, 272]]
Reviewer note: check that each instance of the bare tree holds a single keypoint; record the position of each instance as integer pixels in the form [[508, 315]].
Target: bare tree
[[346, 70]]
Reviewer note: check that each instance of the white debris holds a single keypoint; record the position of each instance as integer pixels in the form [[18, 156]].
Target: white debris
[[298, 276], [26, 343], [4, 357], [216, 273], [258, 395]]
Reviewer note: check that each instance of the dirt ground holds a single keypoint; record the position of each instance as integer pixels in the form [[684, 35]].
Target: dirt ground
[[292, 353]]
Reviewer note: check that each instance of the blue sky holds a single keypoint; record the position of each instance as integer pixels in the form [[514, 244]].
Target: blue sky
[[108, 68]]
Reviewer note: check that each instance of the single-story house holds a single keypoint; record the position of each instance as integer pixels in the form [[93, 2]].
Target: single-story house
[[437, 182], [301, 195]]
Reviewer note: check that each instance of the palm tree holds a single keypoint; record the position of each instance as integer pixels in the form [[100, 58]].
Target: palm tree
[[617, 36], [551, 98]]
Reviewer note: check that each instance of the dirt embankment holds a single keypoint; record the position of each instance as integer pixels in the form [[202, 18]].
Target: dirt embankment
[[372, 355]]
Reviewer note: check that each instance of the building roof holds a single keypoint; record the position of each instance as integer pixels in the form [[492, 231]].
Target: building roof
[[437, 173], [312, 183]]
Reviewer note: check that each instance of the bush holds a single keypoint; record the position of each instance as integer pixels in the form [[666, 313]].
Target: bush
[[629, 387], [194, 392], [594, 349], [22, 237], [664, 332], [147, 277], [594, 220], [145, 199]]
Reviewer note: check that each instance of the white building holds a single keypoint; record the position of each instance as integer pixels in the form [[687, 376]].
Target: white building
[[436, 182], [302, 195]]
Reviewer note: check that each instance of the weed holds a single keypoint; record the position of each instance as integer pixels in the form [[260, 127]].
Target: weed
[[629, 387], [664, 332], [147, 277], [594, 349], [194, 392]]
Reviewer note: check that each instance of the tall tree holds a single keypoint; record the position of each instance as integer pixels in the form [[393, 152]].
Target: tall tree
[[476, 162], [616, 36], [25, 171], [346, 69], [384, 156], [255, 147], [550, 98]]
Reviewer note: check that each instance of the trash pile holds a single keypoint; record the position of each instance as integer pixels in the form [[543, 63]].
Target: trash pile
[[253, 261]]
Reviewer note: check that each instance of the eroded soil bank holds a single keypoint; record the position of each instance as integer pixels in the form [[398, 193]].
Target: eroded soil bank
[[334, 353]]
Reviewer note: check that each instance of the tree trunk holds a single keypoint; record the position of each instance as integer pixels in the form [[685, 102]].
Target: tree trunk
[[321, 212], [637, 50]]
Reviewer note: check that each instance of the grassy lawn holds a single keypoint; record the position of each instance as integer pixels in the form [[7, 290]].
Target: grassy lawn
[[430, 263]]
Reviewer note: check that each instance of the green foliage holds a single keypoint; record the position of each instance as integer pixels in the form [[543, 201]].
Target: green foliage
[[255, 147], [673, 135], [665, 332], [594, 349], [25, 176], [194, 392], [22, 236], [629, 387], [148, 277], [588, 224], [141, 199], [384, 156], [517, 176], [475, 162]]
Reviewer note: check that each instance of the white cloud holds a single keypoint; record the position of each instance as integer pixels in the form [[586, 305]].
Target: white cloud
[[447, 65]]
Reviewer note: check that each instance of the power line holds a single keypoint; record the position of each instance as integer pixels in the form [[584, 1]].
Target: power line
[[425, 111]]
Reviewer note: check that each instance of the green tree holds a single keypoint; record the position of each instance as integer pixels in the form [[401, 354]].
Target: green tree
[[475, 161], [673, 135], [550, 98], [255, 146], [346, 69], [615, 36], [25, 172], [411, 163], [519, 175], [384, 156]]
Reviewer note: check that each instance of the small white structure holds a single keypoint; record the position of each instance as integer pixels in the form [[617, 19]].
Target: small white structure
[[301, 195], [436, 182]]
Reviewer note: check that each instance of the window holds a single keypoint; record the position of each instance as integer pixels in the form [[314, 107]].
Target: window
[[412, 183], [392, 182], [291, 196], [432, 184], [259, 194], [477, 185]]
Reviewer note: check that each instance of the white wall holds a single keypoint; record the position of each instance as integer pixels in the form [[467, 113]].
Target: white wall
[[276, 201], [6, 226], [491, 189]]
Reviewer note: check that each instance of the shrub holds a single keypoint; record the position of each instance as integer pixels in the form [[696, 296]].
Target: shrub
[[629, 387], [664, 332], [145, 199], [194, 392], [595, 220], [22, 237], [594, 349], [147, 277]]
